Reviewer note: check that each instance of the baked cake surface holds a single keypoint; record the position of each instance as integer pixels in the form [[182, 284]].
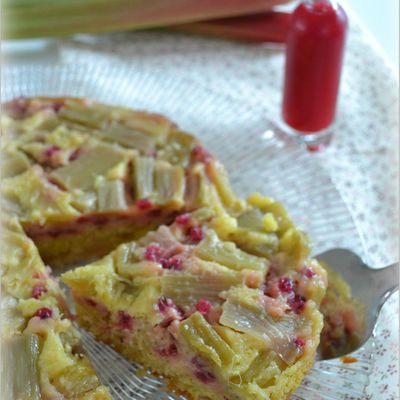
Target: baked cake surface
[[80, 174], [196, 303], [215, 293]]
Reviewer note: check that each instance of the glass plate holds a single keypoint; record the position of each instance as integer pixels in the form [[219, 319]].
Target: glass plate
[[243, 136]]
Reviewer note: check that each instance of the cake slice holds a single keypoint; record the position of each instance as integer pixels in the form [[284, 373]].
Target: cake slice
[[41, 353], [223, 305], [83, 177]]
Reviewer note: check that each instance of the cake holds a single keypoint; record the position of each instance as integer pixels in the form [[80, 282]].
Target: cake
[[41, 353], [80, 174], [198, 304], [215, 293]]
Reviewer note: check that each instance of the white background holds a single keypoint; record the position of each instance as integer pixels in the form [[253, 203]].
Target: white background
[[381, 18]]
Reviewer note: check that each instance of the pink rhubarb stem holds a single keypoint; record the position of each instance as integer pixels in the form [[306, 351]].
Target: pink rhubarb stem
[[269, 27]]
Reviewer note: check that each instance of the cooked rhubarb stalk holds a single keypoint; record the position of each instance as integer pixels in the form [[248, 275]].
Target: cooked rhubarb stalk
[[97, 160], [296, 244], [152, 124], [186, 290], [129, 137], [143, 177], [20, 378], [198, 189], [178, 148], [211, 248], [251, 219], [219, 176], [202, 337], [278, 334], [263, 370], [254, 242], [111, 195], [169, 182], [13, 163], [75, 112], [164, 238], [36, 197]]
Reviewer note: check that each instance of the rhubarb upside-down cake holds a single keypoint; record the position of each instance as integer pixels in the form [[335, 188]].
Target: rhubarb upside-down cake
[[215, 293]]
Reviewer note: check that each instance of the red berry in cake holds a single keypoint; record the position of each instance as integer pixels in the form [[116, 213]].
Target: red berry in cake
[[124, 320], [48, 153], [57, 105], [203, 306], [196, 234], [44, 313], [297, 303], [153, 253], [144, 204], [199, 153], [205, 377], [169, 351], [299, 342], [90, 302], [174, 263], [164, 303], [38, 290], [308, 272], [74, 155], [183, 219], [200, 373], [286, 285]]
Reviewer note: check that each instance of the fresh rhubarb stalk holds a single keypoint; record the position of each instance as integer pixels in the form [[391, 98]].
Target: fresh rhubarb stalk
[[41, 18], [269, 27]]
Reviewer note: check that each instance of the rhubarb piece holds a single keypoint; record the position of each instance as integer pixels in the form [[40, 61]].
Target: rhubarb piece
[[111, 195], [269, 27], [28, 20], [296, 244], [153, 125], [169, 183], [252, 220], [269, 223], [204, 339], [13, 163], [139, 130], [177, 149], [36, 197], [98, 159], [226, 253], [219, 176], [129, 137], [257, 243], [187, 290], [264, 370], [90, 116], [143, 177], [196, 188], [277, 334], [20, 374]]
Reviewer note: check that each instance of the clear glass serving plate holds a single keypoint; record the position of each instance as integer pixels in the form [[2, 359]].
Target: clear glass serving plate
[[244, 137]]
